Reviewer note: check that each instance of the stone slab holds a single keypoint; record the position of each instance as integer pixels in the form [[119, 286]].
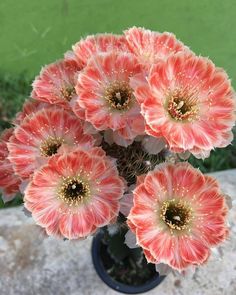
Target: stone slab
[[33, 265]]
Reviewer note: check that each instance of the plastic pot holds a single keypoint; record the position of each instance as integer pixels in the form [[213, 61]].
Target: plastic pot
[[154, 281]]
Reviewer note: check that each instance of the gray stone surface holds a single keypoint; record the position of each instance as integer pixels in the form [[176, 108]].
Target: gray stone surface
[[33, 265]]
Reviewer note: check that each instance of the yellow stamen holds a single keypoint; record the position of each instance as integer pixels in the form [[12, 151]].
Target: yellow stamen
[[119, 95], [176, 214], [182, 106], [74, 191], [50, 146]]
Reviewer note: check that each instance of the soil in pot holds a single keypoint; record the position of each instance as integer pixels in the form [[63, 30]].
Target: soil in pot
[[132, 270], [121, 268]]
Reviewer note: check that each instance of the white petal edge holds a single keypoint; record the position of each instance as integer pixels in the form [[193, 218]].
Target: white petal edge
[[130, 240]]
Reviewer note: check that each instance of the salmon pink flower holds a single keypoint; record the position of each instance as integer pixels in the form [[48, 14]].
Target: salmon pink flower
[[178, 216], [151, 47], [71, 57], [93, 44], [106, 95], [74, 194], [189, 102], [30, 107], [56, 82], [42, 135], [9, 181]]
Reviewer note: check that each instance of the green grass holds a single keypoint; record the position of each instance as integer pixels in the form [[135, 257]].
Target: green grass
[[220, 159], [14, 90], [16, 202], [34, 33]]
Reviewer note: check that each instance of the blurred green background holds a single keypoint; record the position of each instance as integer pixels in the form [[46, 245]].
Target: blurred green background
[[34, 33]]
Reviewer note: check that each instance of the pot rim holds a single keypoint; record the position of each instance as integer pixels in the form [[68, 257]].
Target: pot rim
[[117, 286]]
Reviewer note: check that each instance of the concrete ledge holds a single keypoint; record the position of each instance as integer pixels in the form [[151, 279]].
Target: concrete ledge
[[33, 265]]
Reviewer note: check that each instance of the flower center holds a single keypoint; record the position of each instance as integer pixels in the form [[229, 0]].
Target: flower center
[[68, 92], [119, 95], [176, 215], [182, 106], [50, 146], [73, 191]]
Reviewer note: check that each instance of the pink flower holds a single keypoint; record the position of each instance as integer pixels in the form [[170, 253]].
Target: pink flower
[[71, 57], [106, 95], [30, 107], [56, 82], [178, 215], [189, 102], [9, 181], [42, 135], [91, 45], [151, 47], [75, 194]]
